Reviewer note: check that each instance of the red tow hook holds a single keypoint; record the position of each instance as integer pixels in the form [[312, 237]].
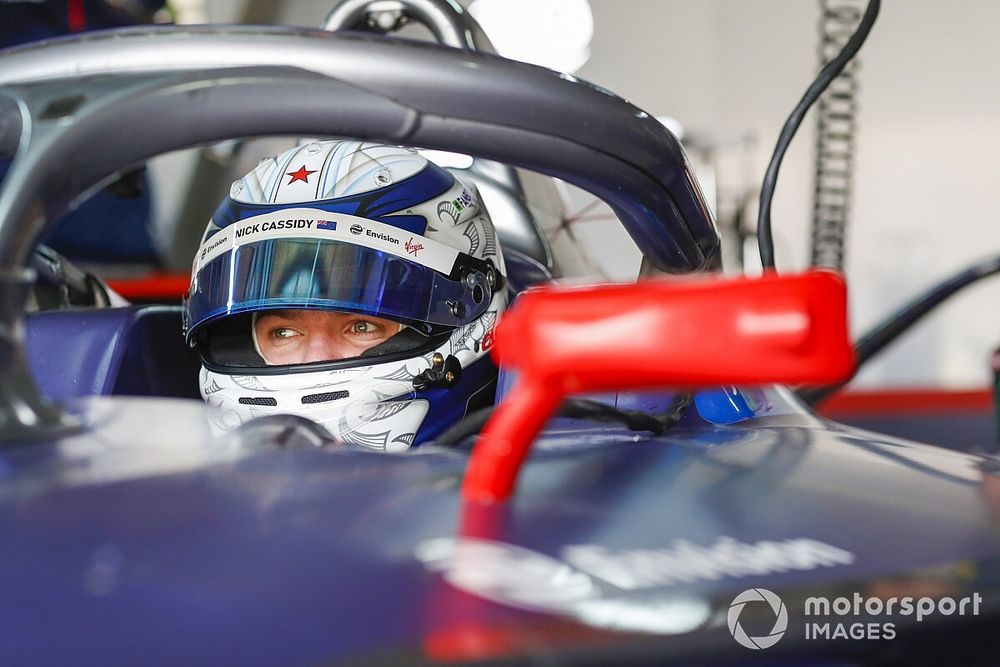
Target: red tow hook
[[680, 332]]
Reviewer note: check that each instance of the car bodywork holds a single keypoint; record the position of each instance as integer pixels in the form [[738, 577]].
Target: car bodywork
[[133, 534]]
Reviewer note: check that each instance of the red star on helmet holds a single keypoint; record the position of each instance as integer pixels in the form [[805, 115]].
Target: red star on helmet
[[301, 175]]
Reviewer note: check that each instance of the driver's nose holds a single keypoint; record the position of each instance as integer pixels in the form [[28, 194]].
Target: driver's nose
[[323, 345]]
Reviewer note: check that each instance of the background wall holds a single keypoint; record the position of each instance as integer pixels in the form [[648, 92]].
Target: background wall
[[925, 203], [924, 196]]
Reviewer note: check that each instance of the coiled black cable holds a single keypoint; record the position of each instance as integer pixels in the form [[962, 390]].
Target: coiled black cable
[[835, 131]]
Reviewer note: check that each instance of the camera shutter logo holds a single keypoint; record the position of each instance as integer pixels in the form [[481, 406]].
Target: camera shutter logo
[[780, 618]]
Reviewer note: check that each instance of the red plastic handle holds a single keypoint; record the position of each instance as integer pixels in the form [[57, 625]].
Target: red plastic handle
[[686, 332]]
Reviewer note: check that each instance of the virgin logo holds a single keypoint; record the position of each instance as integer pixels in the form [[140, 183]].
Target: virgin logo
[[413, 248], [488, 340]]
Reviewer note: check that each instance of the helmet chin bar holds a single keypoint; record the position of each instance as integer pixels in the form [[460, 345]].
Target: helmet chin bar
[[381, 402]]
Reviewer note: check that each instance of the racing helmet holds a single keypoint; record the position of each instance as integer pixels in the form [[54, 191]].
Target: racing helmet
[[350, 229]]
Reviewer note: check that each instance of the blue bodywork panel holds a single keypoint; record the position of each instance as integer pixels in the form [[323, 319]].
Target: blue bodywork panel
[[179, 547]]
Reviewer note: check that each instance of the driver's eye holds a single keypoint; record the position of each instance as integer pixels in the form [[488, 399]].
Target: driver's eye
[[283, 332], [364, 327]]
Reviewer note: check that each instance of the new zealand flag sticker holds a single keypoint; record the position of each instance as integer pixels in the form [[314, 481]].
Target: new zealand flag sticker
[[326, 224]]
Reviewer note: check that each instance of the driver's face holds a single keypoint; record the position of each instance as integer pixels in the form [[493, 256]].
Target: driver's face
[[304, 336]]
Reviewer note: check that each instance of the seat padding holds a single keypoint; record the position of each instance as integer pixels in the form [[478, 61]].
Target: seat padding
[[131, 351]]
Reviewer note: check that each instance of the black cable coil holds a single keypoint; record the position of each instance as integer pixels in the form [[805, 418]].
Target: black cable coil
[[835, 132]]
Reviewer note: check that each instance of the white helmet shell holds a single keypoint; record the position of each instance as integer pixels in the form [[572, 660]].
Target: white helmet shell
[[381, 403]]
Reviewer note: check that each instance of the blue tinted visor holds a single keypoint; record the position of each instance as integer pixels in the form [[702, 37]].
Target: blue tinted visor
[[336, 275]]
